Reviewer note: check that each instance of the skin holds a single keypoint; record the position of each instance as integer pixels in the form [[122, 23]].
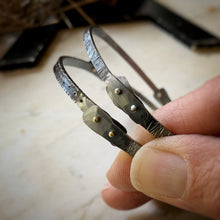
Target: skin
[[195, 121]]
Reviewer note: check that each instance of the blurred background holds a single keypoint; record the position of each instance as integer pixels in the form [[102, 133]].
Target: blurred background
[[52, 166]]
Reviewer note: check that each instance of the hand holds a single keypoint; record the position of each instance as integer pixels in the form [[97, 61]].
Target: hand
[[182, 170]]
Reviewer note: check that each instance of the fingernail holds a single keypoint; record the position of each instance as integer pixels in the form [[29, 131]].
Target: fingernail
[[158, 173]]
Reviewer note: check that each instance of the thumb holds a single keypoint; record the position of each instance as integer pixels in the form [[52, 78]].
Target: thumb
[[182, 170]]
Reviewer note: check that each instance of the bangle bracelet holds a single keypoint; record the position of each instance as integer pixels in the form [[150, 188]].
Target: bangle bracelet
[[119, 89], [102, 69], [93, 116]]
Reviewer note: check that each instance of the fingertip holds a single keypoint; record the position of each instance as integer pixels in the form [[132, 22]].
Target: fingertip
[[119, 173], [141, 135], [121, 200]]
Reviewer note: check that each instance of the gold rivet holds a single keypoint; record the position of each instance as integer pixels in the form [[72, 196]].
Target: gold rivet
[[95, 119], [117, 91], [159, 95], [111, 134], [133, 108]]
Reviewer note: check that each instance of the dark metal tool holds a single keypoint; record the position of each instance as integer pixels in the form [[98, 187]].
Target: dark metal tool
[[184, 30], [28, 49], [28, 52]]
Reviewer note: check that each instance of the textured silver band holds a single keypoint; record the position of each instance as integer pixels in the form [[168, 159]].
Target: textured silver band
[[126, 99], [94, 117]]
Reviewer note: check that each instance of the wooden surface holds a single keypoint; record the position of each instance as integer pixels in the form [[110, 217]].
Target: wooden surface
[[51, 165]]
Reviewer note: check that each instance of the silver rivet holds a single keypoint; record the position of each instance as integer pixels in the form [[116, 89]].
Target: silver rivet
[[95, 119], [133, 108], [111, 134], [117, 91]]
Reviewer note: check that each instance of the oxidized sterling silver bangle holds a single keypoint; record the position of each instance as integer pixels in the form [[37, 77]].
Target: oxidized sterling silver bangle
[[93, 116], [102, 69], [119, 89]]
